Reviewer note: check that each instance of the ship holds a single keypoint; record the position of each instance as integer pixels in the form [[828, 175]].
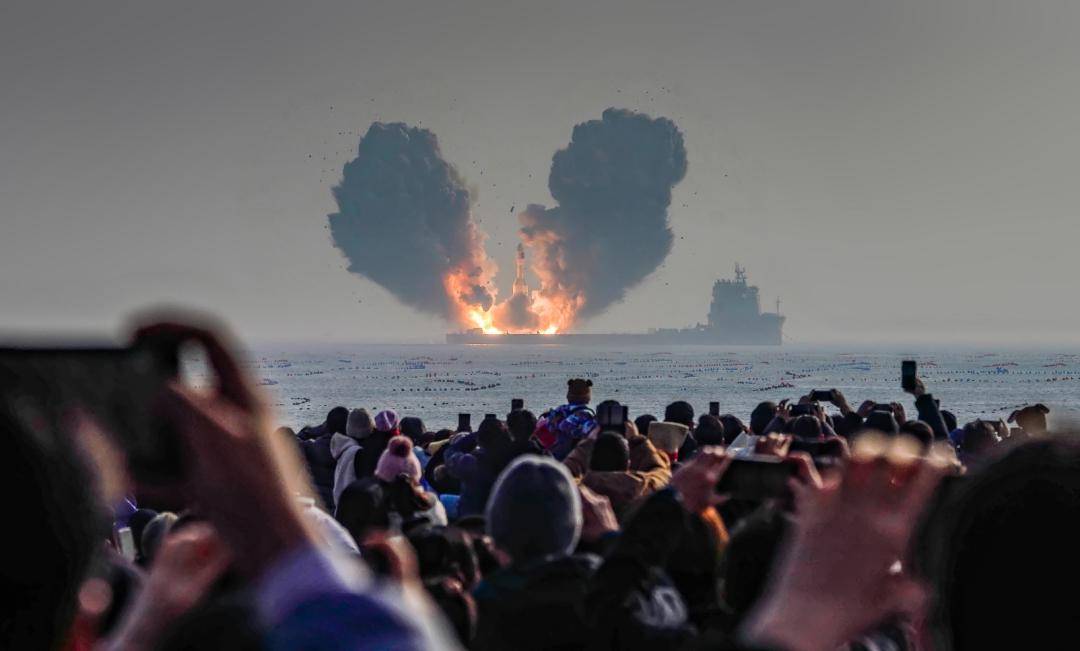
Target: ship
[[734, 319]]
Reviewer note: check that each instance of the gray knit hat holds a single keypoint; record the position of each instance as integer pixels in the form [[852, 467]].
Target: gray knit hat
[[534, 510]]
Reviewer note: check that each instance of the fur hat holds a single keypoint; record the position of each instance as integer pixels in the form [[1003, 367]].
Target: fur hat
[[534, 510], [667, 437], [359, 425], [398, 459], [579, 391], [386, 421]]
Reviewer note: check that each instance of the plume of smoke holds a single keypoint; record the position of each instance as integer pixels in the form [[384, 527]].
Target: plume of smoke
[[610, 229], [404, 221]]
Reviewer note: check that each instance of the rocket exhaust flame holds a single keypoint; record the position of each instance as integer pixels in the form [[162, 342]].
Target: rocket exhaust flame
[[405, 222]]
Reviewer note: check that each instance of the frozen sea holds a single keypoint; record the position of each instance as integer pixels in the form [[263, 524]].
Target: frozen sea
[[436, 382]]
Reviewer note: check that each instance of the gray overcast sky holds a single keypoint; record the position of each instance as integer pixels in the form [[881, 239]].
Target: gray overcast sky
[[895, 170]]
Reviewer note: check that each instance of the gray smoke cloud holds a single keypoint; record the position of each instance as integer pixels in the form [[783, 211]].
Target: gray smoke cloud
[[610, 229], [404, 221]]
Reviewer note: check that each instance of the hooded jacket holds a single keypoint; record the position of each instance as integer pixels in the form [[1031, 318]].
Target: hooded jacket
[[649, 471], [539, 605]]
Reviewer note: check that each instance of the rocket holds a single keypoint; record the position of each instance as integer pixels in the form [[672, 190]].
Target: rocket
[[520, 286]]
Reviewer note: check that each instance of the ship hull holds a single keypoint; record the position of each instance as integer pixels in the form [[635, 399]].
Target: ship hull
[[757, 337]]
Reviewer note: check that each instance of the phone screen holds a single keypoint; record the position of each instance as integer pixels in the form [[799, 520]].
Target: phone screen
[[757, 477], [907, 374], [117, 386], [517, 404], [714, 408], [464, 422]]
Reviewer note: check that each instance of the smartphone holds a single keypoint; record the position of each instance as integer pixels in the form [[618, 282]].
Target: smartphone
[[821, 395], [490, 417], [714, 408], [517, 404], [116, 385], [803, 409], [126, 541], [758, 477], [464, 422], [611, 416], [908, 369]]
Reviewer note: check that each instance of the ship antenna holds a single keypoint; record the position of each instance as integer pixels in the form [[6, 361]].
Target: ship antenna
[[740, 274], [778, 305]]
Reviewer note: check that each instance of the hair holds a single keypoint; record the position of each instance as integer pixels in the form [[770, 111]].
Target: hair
[[749, 557], [457, 605], [445, 552], [492, 434], [733, 426], [978, 439], [642, 423], [361, 508], [762, 416], [336, 420], [920, 431], [681, 412], [807, 428], [882, 421], [522, 424], [999, 535], [407, 498], [413, 427], [611, 453], [710, 431]]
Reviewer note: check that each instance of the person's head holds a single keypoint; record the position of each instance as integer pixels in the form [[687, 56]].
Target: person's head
[[154, 533], [579, 391], [492, 435], [387, 421], [1032, 419], [359, 425], [882, 421], [733, 426], [413, 427], [610, 453], [920, 431], [978, 439], [445, 551], [680, 412], [1001, 536], [762, 416], [749, 557], [950, 420], [534, 510], [807, 428], [361, 508], [336, 420], [522, 424], [398, 459], [642, 423], [709, 430]]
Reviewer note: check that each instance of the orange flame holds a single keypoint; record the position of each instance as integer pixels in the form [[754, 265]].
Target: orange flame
[[555, 311]]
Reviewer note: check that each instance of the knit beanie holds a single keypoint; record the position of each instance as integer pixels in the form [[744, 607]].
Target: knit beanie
[[579, 391], [386, 421], [398, 459], [534, 510], [668, 437], [359, 425]]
